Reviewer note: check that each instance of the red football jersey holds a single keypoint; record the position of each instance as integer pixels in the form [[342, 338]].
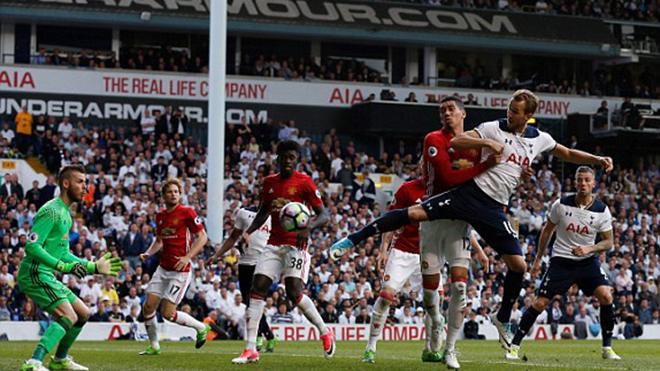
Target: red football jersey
[[410, 193], [445, 167], [278, 192], [176, 229]]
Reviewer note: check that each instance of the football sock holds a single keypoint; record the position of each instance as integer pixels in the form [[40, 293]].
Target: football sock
[[432, 304], [151, 323], [185, 319], [378, 318], [68, 340], [456, 314], [252, 318], [526, 323], [512, 284], [308, 308], [53, 335], [264, 329], [391, 221], [607, 323]]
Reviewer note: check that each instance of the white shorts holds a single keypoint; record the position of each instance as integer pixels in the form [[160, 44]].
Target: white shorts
[[402, 267], [275, 259], [168, 285], [444, 240]]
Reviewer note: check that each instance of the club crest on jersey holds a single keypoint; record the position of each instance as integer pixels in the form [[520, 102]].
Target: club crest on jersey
[[425, 265], [576, 228], [34, 237], [291, 191], [175, 221], [433, 151]]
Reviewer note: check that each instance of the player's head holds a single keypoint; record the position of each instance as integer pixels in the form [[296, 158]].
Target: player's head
[[288, 152], [585, 180], [172, 191], [71, 180], [522, 107], [452, 112]]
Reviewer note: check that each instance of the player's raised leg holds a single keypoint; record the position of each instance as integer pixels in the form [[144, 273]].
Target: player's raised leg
[[62, 360], [604, 295], [390, 221]]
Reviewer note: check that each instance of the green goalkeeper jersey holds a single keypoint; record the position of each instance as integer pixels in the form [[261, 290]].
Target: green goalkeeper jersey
[[48, 242]]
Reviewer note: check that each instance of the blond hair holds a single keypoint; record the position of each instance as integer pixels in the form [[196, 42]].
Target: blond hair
[[170, 182], [531, 100]]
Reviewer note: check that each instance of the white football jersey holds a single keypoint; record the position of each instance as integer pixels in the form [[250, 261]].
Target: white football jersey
[[577, 226], [258, 238], [520, 149]]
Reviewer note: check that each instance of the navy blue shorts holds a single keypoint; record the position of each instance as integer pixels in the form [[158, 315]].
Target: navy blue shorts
[[470, 204], [563, 273]]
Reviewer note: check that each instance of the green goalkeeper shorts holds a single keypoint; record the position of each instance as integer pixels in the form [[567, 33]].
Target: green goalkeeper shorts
[[43, 288]]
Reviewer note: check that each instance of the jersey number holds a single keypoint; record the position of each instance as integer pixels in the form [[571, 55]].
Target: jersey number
[[296, 263], [174, 290]]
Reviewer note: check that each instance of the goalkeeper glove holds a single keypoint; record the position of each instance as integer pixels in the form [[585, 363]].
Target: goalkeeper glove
[[77, 269], [105, 266]]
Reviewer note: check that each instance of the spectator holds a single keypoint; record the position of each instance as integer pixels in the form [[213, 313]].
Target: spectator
[[24, 130], [283, 315]]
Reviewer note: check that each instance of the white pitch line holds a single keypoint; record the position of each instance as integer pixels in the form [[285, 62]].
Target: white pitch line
[[509, 363]]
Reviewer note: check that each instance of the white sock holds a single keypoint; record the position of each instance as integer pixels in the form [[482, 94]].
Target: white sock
[[456, 314], [252, 319], [432, 318], [308, 308], [151, 323], [185, 319], [378, 318], [428, 323], [432, 304]]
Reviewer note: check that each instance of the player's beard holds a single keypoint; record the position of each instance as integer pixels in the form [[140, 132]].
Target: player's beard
[[73, 197]]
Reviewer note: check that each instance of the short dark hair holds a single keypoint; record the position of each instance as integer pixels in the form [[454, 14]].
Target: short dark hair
[[287, 145], [585, 169], [66, 172], [457, 100]]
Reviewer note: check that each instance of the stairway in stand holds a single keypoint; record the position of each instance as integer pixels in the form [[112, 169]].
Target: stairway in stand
[[37, 165]]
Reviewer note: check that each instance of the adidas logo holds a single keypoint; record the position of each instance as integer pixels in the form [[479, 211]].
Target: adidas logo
[[271, 191]]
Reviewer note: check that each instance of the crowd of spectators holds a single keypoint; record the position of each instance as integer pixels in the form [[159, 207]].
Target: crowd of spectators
[[629, 10], [126, 167], [605, 81]]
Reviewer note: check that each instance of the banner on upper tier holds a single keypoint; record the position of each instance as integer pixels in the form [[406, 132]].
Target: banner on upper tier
[[374, 16], [112, 84], [288, 332]]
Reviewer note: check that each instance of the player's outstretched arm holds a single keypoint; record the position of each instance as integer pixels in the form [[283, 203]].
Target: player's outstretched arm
[[544, 240], [259, 220], [576, 156], [385, 243], [226, 246], [472, 139]]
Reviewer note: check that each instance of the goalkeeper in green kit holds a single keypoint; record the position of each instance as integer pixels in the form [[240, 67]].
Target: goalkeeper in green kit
[[47, 251]]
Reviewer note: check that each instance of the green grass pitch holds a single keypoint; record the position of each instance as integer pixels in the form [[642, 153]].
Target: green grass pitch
[[292, 356]]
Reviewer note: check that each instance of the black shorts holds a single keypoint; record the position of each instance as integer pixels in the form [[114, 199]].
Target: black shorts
[[245, 275], [487, 216], [563, 273]]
